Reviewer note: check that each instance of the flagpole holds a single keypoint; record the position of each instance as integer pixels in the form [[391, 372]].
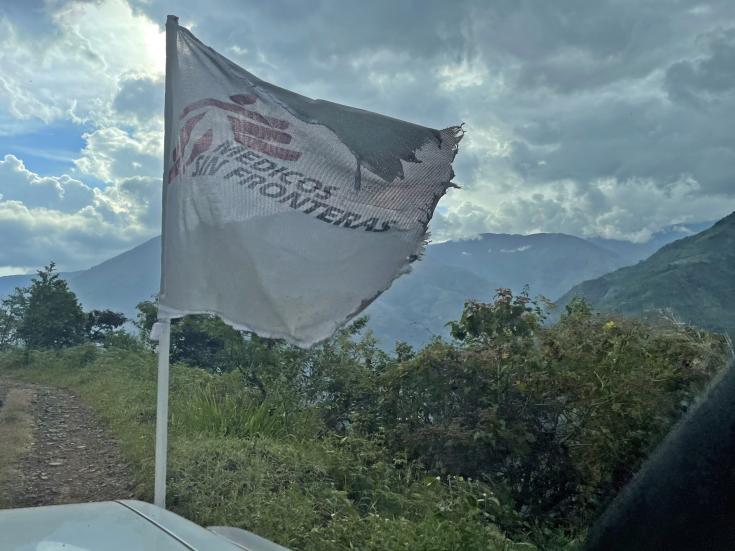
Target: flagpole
[[164, 344], [163, 329]]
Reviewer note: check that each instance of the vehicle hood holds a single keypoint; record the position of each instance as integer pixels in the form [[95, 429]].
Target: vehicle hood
[[107, 526]]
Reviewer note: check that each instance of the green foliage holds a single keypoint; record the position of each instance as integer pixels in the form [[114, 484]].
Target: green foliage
[[578, 306], [289, 480], [147, 316], [121, 339], [341, 378], [559, 418], [510, 319], [52, 316], [206, 342], [513, 432], [101, 323], [620, 384], [12, 309], [693, 277], [224, 406]]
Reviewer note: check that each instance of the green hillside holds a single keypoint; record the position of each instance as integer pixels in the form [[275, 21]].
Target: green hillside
[[694, 277]]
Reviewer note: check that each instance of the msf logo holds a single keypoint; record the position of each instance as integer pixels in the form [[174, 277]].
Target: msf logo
[[249, 128]]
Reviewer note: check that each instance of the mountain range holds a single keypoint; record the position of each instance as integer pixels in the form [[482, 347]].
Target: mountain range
[[694, 277], [418, 305]]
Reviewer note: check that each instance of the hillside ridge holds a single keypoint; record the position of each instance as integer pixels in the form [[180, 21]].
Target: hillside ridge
[[694, 277], [418, 305]]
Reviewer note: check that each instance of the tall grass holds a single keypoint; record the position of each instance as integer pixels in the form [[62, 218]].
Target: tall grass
[[238, 459], [213, 409], [16, 435]]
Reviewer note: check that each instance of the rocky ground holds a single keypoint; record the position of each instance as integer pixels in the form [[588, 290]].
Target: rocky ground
[[70, 457]]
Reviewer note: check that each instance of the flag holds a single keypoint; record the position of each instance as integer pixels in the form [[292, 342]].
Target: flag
[[283, 215]]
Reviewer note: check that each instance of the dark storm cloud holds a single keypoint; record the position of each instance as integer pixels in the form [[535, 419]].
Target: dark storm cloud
[[628, 138], [568, 46], [558, 96], [374, 55], [686, 129], [590, 89], [707, 79]]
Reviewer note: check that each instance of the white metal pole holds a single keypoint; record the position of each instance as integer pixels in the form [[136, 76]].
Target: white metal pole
[[164, 342], [163, 328]]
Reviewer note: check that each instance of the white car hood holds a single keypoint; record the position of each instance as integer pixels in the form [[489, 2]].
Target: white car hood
[[108, 526]]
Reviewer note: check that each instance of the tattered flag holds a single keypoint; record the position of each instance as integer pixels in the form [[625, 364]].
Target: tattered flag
[[283, 215]]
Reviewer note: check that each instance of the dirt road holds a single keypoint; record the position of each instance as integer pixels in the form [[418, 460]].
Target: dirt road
[[55, 450]]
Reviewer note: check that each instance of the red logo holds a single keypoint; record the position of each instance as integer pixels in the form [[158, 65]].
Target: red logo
[[251, 129]]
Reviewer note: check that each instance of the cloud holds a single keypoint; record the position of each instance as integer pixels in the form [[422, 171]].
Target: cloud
[[61, 193], [630, 210], [607, 118], [599, 119], [60, 218], [72, 71], [140, 97], [98, 65], [705, 79], [111, 153]]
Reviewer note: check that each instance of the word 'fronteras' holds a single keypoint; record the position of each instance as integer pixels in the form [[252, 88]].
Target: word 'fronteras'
[[280, 183]]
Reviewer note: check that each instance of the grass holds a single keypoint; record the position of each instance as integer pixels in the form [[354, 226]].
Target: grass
[[234, 461], [16, 436]]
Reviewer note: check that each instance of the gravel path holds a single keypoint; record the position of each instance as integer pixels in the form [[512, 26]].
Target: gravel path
[[72, 459]]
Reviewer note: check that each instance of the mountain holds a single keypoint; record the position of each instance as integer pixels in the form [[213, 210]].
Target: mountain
[[694, 277], [632, 253], [123, 281], [9, 283], [418, 305], [119, 283]]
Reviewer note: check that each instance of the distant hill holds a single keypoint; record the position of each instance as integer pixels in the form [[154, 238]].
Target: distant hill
[[123, 281], [694, 277], [9, 283], [119, 283], [631, 252], [418, 305]]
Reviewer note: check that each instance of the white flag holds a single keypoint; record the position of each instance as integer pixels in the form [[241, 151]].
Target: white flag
[[283, 215]]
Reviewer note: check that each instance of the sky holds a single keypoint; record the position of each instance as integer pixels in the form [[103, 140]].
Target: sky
[[605, 118]]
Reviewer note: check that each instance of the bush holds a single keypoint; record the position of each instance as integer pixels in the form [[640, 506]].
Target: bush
[[559, 417], [122, 340], [512, 430], [302, 486]]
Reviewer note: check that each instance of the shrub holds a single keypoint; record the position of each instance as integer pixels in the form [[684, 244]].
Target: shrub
[[513, 429], [559, 417]]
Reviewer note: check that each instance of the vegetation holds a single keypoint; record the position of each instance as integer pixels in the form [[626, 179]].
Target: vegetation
[[693, 277], [48, 315], [52, 316], [513, 435], [101, 324], [16, 435]]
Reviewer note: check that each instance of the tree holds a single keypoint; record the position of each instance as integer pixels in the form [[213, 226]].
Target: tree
[[12, 309], [207, 342], [507, 321], [52, 315], [146, 318], [101, 323]]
